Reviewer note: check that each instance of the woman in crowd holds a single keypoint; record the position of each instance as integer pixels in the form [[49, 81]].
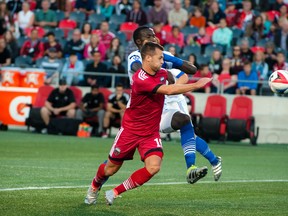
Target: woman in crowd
[[86, 32], [25, 17], [115, 49], [11, 45]]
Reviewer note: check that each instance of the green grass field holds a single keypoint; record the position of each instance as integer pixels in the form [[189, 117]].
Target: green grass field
[[49, 175]]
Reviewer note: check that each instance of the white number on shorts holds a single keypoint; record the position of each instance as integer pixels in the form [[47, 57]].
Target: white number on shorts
[[158, 141]]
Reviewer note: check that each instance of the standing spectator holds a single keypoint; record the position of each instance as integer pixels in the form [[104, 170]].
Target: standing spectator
[[12, 45], [14, 6], [94, 45], [214, 14], [25, 17], [52, 43], [60, 102], [106, 9], [106, 35], [237, 62], [244, 15], [178, 15], [247, 88], [73, 70], [115, 49], [270, 56], [33, 47], [116, 107], [123, 7], [75, 45], [85, 6], [46, 18], [201, 73], [86, 33], [177, 37], [255, 30], [281, 63], [137, 15], [215, 64], [246, 53], [96, 66], [231, 14], [5, 56], [281, 36], [197, 20], [223, 35], [157, 13], [260, 66], [92, 105]]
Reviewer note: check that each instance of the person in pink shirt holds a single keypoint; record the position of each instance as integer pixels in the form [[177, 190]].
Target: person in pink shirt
[[94, 45], [177, 37], [105, 35]]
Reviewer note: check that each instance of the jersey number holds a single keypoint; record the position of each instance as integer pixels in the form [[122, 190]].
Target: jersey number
[[158, 142]]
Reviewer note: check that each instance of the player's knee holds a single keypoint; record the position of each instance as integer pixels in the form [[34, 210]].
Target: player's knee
[[179, 120], [109, 171], [153, 169]]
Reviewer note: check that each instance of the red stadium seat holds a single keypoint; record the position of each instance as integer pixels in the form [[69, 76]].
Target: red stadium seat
[[128, 28], [77, 94], [67, 25], [210, 30], [241, 123], [42, 95], [41, 31]]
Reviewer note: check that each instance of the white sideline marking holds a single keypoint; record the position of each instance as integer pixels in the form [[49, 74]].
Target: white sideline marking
[[151, 184]]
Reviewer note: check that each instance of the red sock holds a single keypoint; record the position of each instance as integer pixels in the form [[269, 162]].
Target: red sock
[[137, 179], [100, 177]]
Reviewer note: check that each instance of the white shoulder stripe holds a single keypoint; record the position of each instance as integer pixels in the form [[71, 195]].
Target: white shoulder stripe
[[142, 75]]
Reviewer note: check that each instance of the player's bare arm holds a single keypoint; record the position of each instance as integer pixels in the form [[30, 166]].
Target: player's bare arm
[[171, 79], [135, 67], [188, 68], [183, 79]]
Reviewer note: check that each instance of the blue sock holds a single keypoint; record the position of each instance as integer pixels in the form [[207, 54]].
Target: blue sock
[[188, 144], [203, 148]]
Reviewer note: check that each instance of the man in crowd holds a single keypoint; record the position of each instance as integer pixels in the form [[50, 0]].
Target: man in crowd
[[75, 45], [46, 18]]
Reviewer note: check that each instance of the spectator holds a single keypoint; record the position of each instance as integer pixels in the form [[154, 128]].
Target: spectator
[[117, 67], [202, 72], [14, 6], [105, 35], [85, 6], [52, 43], [115, 49], [46, 18], [197, 20], [223, 35], [94, 45], [172, 50], [75, 45], [115, 108], [255, 30], [5, 17], [33, 47], [281, 37], [192, 58], [92, 105], [159, 33], [13, 27], [52, 65], [96, 66], [61, 102], [231, 14], [270, 56], [267, 24], [131, 47], [25, 17], [201, 39], [225, 79], [246, 53], [237, 62], [247, 83], [5, 56], [157, 14], [283, 13], [86, 33], [11, 45], [123, 7], [73, 70], [188, 7], [244, 15], [178, 16], [277, 5], [137, 15], [215, 64], [214, 14], [106, 9], [260, 66], [177, 37], [281, 63]]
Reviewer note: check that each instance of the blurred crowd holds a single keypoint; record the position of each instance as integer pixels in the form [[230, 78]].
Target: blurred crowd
[[231, 40]]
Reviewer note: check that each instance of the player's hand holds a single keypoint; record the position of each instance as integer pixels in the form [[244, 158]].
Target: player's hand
[[202, 82]]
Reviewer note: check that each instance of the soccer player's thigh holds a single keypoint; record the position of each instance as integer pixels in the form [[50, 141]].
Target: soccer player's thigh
[[150, 145], [166, 120]]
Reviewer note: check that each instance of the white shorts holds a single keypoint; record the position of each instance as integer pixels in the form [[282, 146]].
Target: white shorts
[[169, 110]]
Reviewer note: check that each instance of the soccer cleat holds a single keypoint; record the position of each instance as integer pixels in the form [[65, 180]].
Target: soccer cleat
[[110, 196], [217, 169], [194, 173], [92, 195], [104, 135]]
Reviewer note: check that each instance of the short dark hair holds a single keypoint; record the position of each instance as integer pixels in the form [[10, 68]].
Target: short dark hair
[[247, 62], [202, 66], [50, 34], [149, 49], [119, 85], [94, 87], [137, 34]]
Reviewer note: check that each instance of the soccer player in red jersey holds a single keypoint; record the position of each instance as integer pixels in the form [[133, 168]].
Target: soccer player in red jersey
[[140, 125]]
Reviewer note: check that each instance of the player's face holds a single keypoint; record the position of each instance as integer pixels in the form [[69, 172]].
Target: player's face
[[148, 36], [157, 60]]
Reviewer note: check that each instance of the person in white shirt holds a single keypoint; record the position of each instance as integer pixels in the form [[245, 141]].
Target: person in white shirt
[[25, 17]]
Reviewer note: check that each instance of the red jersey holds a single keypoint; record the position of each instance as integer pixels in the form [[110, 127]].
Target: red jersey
[[143, 114], [106, 39]]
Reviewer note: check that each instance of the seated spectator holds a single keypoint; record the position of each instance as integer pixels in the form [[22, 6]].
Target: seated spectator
[[223, 35], [94, 45], [277, 5], [61, 102], [52, 43], [231, 13], [237, 62], [75, 45], [14, 29], [123, 7], [52, 65], [202, 72], [281, 36], [73, 70], [85, 6], [225, 78], [247, 88], [115, 49], [283, 13], [5, 17], [117, 67], [177, 37], [255, 30], [214, 14], [5, 56], [14, 6], [137, 15], [188, 7], [267, 24], [192, 58], [245, 15], [86, 33], [281, 63], [46, 18], [172, 50], [92, 105], [215, 64], [131, 47], [246, 53], [159, 33], [157, 13], [25, 17], [106, 9], [201, 38], [177, 16], [106, 35], [96, 66], [33, 47], [260, 66], [270, 56], [11, 45], [197, 20], [116, 107]]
